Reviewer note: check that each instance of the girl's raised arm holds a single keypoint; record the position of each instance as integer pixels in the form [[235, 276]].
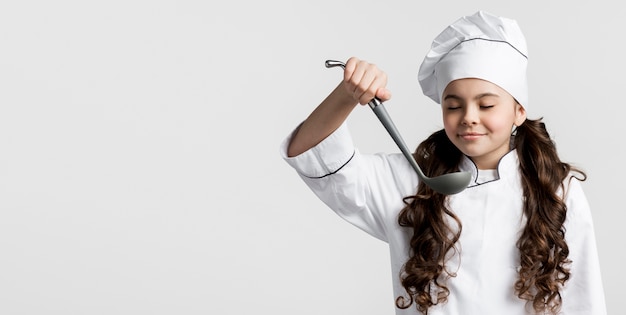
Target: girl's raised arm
[[362, 82]]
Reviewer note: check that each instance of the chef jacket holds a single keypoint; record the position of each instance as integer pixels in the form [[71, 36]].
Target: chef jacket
[[367, 191]]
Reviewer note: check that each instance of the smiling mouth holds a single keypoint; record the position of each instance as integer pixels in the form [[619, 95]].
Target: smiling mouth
[[470, 136]]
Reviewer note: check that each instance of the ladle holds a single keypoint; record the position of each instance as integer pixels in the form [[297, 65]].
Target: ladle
[[447, 184]]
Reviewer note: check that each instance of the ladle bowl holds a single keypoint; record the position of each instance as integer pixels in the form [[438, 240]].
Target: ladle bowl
[[447, 184]]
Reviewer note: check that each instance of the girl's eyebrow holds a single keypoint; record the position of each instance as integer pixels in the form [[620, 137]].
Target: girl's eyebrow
[[479, 96], [452, 96]]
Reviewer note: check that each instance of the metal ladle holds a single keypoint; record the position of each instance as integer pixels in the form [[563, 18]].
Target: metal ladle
[[447, 184]]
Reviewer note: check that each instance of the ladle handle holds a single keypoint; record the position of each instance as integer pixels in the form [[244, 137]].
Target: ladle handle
[[377, 106], [381, 112]]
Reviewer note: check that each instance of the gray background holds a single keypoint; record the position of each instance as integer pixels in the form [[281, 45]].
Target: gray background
[[139, 165]]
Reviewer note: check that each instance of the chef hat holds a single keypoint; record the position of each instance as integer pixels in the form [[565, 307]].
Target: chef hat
[[480, 46]]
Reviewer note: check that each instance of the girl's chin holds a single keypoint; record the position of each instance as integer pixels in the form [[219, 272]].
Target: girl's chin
[[470, 151]]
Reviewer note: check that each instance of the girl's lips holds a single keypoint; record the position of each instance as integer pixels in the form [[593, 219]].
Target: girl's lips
[[471, 136]]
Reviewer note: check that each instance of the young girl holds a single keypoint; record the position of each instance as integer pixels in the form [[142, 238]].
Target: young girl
[[518, 240]]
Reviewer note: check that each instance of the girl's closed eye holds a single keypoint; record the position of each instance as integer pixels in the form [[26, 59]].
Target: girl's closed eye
[[452, 105]]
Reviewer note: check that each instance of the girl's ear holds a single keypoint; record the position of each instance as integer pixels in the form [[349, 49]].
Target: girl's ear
[[520, 114]]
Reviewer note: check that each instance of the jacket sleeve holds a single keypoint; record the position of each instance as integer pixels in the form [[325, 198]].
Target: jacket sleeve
[[365, 190], [583, 292]]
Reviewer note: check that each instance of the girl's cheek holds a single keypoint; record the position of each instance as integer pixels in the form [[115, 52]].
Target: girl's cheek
[[451, 122]]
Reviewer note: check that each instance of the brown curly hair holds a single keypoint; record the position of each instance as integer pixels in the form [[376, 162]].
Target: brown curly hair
[[543, 251]]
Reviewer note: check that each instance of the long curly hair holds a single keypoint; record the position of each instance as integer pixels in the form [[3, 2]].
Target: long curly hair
[[543, 251]]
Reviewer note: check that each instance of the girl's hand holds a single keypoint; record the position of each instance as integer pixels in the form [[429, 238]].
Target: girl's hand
[[364, 81]]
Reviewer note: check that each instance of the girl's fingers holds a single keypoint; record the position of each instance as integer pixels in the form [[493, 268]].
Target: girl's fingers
[[383, 95], [364, 81], [369, 85], [350, 66]]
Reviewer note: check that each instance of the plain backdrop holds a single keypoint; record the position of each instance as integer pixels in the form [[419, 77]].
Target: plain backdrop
[[139, 162]]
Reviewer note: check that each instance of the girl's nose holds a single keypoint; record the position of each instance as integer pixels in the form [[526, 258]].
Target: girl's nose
[[470, 116]]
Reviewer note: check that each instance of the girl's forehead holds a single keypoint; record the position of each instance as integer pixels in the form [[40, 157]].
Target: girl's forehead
[[470, 87]]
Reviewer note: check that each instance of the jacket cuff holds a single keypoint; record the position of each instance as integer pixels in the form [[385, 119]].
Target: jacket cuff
[[325, 158]]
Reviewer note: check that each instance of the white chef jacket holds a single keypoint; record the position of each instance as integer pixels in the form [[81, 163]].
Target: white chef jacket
[[367, 191]]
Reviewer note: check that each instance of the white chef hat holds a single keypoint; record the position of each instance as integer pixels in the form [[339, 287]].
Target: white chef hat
[[482, 46]]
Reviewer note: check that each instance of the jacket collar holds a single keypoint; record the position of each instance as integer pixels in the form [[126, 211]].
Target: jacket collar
[[508, 167]]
